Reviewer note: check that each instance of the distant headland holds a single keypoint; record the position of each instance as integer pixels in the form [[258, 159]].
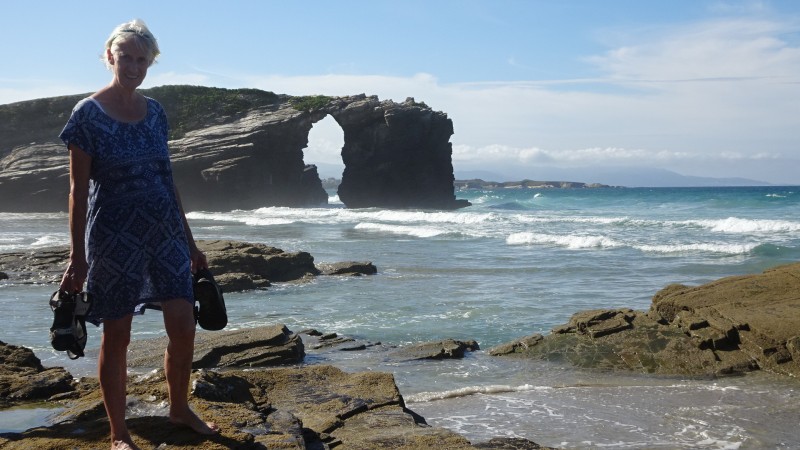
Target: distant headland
[[525, 184], [333, 183]]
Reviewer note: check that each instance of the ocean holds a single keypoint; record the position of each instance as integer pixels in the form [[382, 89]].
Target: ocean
[[516, 262]]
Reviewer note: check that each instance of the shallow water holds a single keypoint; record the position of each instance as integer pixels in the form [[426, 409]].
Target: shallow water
[[629, 412], [20, 419]]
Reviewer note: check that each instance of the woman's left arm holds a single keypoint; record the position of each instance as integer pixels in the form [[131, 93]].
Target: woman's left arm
[[198, 258]]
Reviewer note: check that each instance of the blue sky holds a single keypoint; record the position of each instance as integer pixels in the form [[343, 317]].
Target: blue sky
[[534, 88]]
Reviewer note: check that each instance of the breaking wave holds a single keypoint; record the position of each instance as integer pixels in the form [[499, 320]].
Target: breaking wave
[[471, 390]]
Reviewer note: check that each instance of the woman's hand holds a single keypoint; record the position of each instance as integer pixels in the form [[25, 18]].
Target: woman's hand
[[198, 259], [74, 276]]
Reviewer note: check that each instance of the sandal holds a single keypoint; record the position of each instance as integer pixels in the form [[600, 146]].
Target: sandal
[[68, 332], [210, 311]]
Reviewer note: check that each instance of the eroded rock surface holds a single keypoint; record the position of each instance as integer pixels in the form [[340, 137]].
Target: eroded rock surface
[[237, 266], [252, 347], [24, 379], [446, 349], [311, 407], [732, 325], [300, 408]]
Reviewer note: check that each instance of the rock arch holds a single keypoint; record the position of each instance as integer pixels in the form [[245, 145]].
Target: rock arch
[[395, 155], [243, 149]]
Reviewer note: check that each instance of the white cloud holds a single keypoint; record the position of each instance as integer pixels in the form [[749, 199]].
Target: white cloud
[[712, 50], [609, 156], [638, 115]]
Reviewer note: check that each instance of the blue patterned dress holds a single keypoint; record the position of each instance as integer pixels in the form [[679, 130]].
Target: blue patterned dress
[[135, 242]]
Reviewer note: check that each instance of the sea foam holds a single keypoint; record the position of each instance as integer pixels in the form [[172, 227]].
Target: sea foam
[[741, 226], [568, 241], [421, 232], [50, 240], [471, 390], [730, 249]]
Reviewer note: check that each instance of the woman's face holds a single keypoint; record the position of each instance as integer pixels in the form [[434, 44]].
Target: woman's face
[[129, 61]]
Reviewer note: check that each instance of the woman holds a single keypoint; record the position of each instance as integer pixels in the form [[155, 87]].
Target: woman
[[131, 242]]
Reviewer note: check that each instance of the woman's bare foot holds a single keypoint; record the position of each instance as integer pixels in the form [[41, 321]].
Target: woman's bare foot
[[190, 419], [123, 445]]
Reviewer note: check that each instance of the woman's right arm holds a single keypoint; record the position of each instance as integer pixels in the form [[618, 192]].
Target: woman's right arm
[[80, 164]]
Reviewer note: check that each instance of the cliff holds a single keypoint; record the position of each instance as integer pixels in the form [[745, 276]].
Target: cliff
[[243, 149]]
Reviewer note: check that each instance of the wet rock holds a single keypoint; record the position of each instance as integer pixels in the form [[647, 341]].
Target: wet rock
[[24, 379], [446, 349], [237, 266], [511, 444], [517, 346], [329, 340], [252, 347], [793, 345], [304, 408], [729, 326], [261, 263], [599, 323], [348, 268], [643, 346], [316, 340], [311, 407], [395, 424], [757, 316], [222, 387], [44, 265]]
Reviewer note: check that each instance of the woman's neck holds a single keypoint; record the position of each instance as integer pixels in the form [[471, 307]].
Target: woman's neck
[[124, 105]]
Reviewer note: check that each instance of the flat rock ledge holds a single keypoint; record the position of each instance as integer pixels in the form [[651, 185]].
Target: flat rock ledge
[[446, 349], [244, 348], [237, 266], [312, 407], [730, 326]]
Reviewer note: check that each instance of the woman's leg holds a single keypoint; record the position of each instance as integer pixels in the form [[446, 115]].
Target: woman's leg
[[113, 373], [180, 326]]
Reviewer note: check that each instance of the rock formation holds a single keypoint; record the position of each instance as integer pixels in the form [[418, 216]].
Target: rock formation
[[312, 407], [237, 266], [385, 144], [243, 149], [24, 379], [730, 326], [243, 348], [447, 349], [256, 404]]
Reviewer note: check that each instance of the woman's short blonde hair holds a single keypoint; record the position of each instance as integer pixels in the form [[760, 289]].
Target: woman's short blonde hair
[[135, 29]]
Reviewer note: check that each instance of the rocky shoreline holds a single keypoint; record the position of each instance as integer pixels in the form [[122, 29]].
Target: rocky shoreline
[[277, 407], [731, 326], [237, 266]]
